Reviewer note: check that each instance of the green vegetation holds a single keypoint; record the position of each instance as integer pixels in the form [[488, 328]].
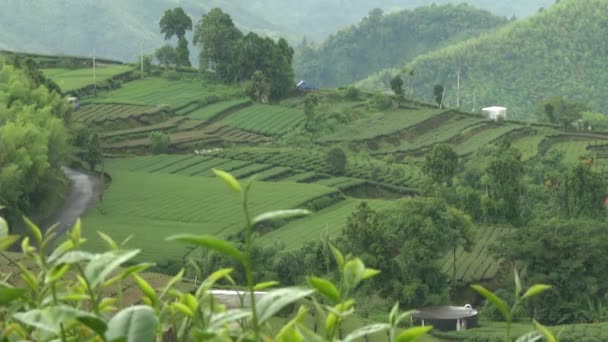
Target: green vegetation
[[74, 79], [165, 202], [34, 142], [264, 119], [155, 91], [381, 41], [521, 62], [210, 111]]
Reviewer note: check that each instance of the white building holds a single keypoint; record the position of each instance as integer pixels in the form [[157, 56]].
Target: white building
[[495, 113]]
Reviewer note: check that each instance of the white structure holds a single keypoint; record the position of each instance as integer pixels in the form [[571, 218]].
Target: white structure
[[495, 113]]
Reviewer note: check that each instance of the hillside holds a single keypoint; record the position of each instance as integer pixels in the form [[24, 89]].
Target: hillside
[[268, 142], [381, 41], [558, 52], [116, 29]]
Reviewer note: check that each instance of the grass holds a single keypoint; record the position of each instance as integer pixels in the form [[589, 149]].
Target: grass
[[483, 137], [572, 149], [266, 119], [152, 206], [156, 91], [331, 220], [209, 111], [381, 124], [73, 79], [98, 113]]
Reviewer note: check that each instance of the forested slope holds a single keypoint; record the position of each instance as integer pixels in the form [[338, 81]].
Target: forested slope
[[380, 41], [558, 52], [116, 29]]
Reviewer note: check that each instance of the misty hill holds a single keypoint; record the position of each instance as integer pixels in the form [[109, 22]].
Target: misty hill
[[116, 29], [558, 52], [380, 41]]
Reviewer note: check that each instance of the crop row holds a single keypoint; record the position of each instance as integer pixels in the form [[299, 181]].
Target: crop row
[[156, 91], [483, 137], [198, 135], [444, 132], [329, 220], [479, 263], [381, 124], [152, 206], [209, 111], [101, 112], [265, 119], [73, 79], [169, 124], [401, 175]]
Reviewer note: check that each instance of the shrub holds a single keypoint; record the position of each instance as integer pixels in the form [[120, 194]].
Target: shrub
[[336, 160], [159, 142], [382, 102], [352, 93], [171, 75]]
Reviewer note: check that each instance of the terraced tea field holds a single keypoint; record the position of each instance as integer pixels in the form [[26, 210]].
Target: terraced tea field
[[73, 79], [100, 113], [478, 264], [265, 119], [330, 221], [381, 124], [152, 206], [190, 139], [209, 111], [156, 91], [484, 137]]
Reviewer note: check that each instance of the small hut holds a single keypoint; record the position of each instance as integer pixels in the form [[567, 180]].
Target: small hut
[[447, 318], [495, 113]]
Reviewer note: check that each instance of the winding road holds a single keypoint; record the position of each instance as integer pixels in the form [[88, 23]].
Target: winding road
[[83, 195]]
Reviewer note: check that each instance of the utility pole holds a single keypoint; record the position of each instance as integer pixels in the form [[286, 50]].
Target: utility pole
[[94, 75], [141, 60], [101, 179], [474, 100], [442, 96], [458, 89]]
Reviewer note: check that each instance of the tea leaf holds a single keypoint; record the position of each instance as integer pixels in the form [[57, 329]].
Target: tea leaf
[[535, 290], [265, 285], [280, 214], [499, 303], [9, 293], [208, 241], [412, 334], [337, 255], [228, 179], [133, 324], [273, 301], [326, 288], [367, 330], [103, 264], [548, 335]]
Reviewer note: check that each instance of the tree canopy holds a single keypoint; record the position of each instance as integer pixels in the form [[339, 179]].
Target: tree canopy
[[388, 40], [175, 22], [33, 139]]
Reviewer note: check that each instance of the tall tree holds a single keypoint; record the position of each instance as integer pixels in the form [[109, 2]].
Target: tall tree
[[217, 36], [582, 193], [182, 54], [166, 55], [438, 91], [175, 22], [33, 141], [441, 163], [258, 88], [504, 173], [567, 254], [397, 85]]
